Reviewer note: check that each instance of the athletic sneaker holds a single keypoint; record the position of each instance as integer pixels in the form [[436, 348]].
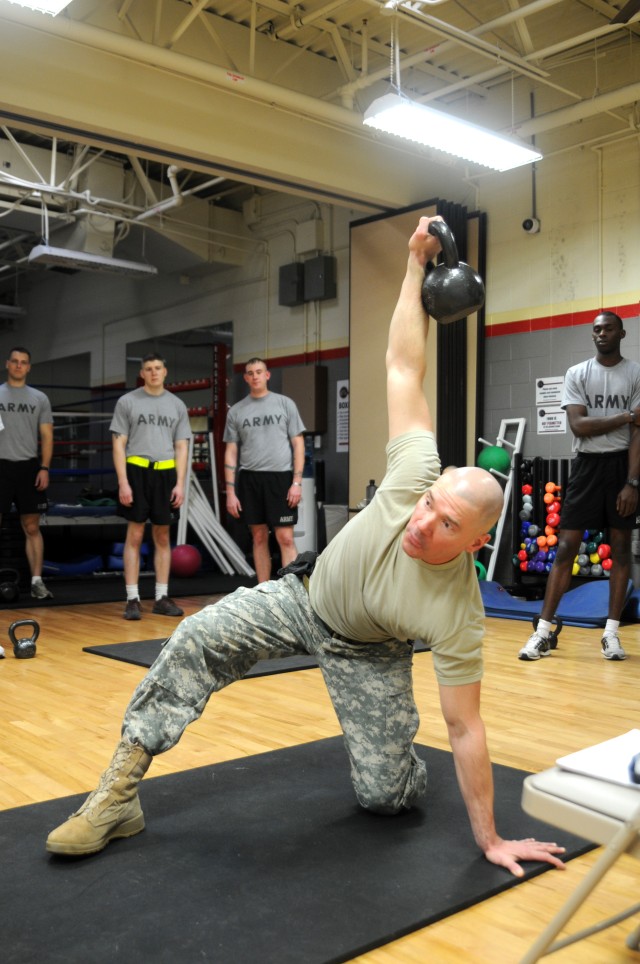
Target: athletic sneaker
[[166, 607], [611, 648], [40, 591], [133, 609], [538, 645]]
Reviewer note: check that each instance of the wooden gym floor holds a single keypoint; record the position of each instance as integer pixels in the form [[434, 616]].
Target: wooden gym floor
[[60, 716]]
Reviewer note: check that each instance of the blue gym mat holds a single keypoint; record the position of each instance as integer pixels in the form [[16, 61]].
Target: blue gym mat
[[585, 605]]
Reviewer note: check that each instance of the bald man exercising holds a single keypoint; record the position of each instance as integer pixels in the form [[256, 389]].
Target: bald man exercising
[[402, 569]]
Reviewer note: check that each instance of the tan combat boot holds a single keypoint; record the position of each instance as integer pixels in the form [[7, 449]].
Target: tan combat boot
[[112, 810]]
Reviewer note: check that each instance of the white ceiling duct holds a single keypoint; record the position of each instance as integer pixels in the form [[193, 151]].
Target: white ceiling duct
[[83, 261]]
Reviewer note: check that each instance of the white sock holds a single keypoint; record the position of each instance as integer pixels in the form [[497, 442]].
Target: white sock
[[162, 589], [611, 629], [544, 627], [132, 592], [35, 580]]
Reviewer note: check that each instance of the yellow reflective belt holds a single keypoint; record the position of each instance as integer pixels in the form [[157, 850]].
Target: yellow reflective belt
[[147, 463]]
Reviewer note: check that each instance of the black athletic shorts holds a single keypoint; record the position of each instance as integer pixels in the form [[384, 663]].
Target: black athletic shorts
[[152, 490], [263, 497], [594, 486], [18, 486]]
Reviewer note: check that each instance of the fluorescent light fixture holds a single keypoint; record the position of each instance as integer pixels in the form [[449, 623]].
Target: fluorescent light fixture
[[81, 261], [405, 118], [44, 6]]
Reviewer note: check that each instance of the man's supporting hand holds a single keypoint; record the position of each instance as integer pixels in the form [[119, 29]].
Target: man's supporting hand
[[509, 853]]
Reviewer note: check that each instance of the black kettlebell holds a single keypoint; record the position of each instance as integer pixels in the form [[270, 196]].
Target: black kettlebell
[[25, 647], [556, 631], [452, 290], [9, 585]]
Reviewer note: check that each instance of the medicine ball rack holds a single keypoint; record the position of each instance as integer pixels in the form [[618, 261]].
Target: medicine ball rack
[[538, 472]]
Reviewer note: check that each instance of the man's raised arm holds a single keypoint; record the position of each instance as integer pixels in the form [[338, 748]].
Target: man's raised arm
[[406, 363]]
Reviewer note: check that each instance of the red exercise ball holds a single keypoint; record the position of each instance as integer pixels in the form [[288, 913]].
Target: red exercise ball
[[185, 561]]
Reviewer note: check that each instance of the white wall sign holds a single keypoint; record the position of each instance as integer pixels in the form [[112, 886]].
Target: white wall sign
[[342, 416], [549, 390], [552, 421]]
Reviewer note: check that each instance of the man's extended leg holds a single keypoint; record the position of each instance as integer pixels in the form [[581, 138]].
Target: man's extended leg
[[207, 651], [371, 688]]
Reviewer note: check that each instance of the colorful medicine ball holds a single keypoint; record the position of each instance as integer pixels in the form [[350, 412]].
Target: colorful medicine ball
[[185, 561]]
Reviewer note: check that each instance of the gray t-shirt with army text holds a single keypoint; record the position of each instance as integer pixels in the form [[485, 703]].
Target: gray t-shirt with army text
[[23, 411], [263, 428], [603, 390], [152, 423]]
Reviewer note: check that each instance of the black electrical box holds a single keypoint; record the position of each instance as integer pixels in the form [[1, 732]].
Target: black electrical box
[[320, 278], [291, 284]]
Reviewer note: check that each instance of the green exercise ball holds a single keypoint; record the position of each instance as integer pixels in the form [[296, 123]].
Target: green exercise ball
[[481, 572], [495, 457]]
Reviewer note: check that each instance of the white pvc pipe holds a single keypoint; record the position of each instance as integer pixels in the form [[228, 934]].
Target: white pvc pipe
[[198, 525], [214, 479], [206, 515]]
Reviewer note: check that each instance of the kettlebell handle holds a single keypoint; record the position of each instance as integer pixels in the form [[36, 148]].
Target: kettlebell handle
[[444, 234], [23, 622]]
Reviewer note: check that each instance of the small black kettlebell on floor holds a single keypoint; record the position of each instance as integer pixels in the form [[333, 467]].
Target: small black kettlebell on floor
[[9, 585], [25, 647], [452, 290]]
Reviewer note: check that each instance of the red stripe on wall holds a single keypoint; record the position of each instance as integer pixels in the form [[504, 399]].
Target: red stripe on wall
[[310, 358], [546, 322]]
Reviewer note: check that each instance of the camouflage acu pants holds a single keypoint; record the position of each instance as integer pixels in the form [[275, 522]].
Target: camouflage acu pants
[[370, 684]]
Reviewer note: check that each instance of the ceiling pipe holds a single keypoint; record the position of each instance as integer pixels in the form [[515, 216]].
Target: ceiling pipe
[[174, 201], [578, 112]]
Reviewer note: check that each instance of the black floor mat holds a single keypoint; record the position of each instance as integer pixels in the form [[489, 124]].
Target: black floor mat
[[145, 651], [262, 859]]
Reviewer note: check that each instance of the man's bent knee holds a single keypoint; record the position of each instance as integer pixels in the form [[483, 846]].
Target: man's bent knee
[[390, 792]]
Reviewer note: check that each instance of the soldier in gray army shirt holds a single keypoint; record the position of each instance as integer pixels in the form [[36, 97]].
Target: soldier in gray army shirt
[[151, 432], [26, 419], [263, 464], [402, 568]]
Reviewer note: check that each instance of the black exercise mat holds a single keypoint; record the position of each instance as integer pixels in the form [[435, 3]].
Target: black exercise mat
[[144, 652], [262, 859], [75, 590]]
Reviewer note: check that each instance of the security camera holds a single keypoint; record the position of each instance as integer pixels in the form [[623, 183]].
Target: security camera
[[531, 225]]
